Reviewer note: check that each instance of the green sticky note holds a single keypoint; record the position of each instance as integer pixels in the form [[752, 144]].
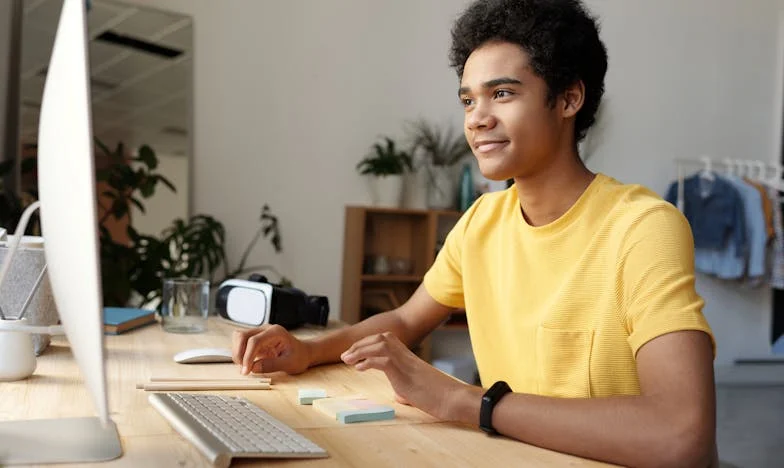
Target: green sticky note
[[306, 396], [375, 413]]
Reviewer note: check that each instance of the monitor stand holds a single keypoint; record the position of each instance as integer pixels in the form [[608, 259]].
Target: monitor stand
[[64, 440]]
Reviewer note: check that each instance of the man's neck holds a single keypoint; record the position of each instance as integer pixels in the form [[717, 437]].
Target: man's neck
[[548, 194]]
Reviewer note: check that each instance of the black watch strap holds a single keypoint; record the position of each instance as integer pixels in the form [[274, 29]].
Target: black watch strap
[[491, 397]]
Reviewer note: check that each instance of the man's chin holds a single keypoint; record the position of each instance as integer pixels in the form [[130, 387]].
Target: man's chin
[[495, 172]]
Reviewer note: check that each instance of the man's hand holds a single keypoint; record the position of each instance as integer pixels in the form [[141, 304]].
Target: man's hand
[[269, 348], [415, 382]]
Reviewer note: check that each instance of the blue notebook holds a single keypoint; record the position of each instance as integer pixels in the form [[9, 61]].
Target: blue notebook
[[118, 320]]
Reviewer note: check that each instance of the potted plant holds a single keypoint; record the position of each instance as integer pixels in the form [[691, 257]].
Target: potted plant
[[133, 268], [441, 148], [133, 264], [385, 166]]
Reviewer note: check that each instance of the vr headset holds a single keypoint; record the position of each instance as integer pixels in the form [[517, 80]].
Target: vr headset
[[256, 302]]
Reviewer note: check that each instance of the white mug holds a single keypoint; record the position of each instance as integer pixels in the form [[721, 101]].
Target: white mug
[[17, 355]]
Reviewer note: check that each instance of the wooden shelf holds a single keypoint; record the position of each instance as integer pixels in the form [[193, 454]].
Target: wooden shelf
[[399, 235], [392, 278]]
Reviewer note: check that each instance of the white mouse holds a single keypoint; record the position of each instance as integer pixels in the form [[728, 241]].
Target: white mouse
[[203, 355]]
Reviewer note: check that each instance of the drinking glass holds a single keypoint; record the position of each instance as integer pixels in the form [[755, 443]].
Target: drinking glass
[[185, 305]]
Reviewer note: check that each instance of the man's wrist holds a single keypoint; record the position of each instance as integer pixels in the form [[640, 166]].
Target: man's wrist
[[490, 400], [464, 404], [311, 352]]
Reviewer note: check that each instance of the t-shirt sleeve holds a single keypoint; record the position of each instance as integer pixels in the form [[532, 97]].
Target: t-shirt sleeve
[[657, 270], [444, 280]]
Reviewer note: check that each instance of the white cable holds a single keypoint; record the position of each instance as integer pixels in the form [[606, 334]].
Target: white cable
[[32, 294]]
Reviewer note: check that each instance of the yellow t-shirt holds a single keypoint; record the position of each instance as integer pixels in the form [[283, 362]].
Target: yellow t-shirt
[[562, 309]]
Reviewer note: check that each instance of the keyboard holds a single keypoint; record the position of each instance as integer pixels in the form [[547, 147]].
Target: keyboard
[[226, 427]]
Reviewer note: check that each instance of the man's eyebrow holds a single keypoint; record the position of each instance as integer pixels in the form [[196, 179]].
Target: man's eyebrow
[[490, 84]]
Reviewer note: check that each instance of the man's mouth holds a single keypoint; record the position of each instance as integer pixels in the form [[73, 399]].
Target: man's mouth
[[487, 146]]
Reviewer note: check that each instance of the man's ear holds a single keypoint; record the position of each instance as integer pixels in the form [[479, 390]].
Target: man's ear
[[572, 99]]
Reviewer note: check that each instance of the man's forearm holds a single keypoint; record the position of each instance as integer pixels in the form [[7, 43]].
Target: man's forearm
[[328, 348], [631, 431]]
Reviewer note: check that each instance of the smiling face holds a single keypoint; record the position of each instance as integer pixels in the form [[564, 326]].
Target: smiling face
[[512, 127]]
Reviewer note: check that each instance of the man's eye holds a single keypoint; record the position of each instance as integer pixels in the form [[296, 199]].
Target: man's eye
[[466, 101], [502, 93]]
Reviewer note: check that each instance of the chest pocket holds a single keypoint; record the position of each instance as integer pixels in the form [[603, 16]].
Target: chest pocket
[[563, 361]]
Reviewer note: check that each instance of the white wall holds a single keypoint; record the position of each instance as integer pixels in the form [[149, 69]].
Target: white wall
[[288, 96], [165, 206]]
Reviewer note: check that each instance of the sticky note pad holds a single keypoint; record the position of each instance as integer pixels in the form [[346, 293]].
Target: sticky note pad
[[306, 396], [354, 410]]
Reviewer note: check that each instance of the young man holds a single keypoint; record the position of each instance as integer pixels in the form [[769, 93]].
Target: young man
[[579, 290]]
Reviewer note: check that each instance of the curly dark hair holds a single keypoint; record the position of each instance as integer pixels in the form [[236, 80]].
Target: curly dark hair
[[560, 37]]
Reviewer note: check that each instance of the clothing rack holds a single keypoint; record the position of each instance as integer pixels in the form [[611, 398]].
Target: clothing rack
[[752, 169], [755, 170]]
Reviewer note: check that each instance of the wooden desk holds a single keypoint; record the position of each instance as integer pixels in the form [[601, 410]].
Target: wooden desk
[[413, 438]]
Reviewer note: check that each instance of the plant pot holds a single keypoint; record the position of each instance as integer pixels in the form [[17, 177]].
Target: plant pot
[[441, 188], [386, 190]]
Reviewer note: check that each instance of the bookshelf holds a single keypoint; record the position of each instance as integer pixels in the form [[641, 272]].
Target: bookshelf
[[386, 253]]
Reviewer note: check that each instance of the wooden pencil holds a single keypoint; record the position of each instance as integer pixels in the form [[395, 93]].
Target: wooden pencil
[[202, 385], [191, 379]]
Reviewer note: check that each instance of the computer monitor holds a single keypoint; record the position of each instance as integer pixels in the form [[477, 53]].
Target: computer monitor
[[66, 179]]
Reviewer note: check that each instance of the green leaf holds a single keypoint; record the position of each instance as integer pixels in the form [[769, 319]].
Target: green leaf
[[266, 214], [126, 175], [166, 182], [385, 160], [132, 233], [147, 187], [119, 209], [390, 146], [115, 181], [119, 154], [147, 156], [103, 147], [138, 204], [441, 146]]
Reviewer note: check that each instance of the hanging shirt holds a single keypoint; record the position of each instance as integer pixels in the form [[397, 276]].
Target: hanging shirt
[[714, 210], [756, 229], [730, 263], [767, 206]]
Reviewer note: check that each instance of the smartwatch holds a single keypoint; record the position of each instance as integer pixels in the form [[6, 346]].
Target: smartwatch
[[489, 400]]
